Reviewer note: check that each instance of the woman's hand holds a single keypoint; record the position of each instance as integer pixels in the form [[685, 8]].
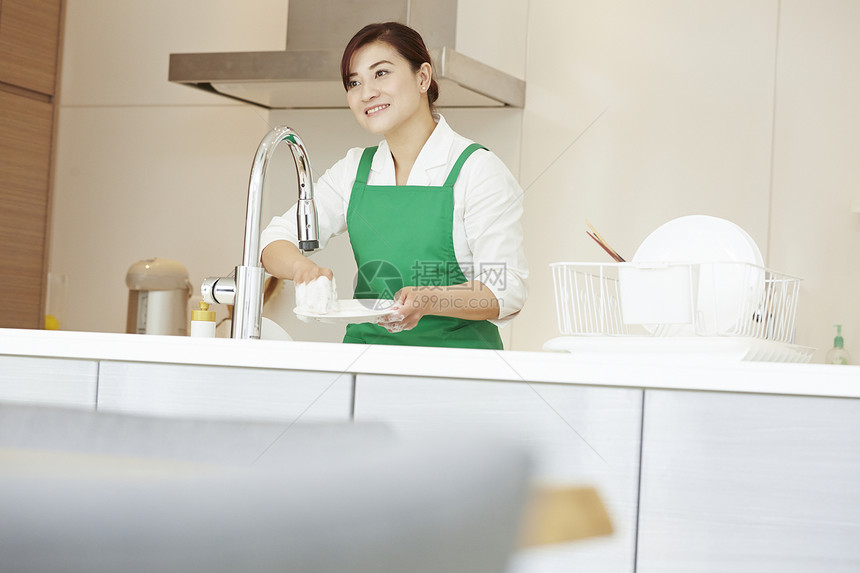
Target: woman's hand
[[471, 301], [305, 270], [410, 304]]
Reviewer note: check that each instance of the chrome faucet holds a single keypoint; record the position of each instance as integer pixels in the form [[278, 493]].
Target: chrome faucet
[[244, 290]]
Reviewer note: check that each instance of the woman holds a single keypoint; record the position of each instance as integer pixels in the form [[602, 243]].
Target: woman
[[433, 219]]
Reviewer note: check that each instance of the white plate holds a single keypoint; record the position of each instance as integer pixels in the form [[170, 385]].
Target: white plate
[[730, 271], [351, 310], [699, 239]]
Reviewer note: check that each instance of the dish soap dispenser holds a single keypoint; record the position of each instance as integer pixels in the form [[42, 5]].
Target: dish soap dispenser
[[203, 322], [837, 354]]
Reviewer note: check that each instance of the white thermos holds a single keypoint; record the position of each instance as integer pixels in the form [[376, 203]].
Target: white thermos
[[158, 296]]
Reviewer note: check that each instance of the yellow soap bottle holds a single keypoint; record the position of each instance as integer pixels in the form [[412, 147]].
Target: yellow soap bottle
[[203, 322]]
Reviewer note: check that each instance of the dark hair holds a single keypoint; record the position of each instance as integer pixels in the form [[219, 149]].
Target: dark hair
[[402, 38]]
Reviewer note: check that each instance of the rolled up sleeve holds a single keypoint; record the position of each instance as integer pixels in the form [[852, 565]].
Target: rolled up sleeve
[[493, 210]]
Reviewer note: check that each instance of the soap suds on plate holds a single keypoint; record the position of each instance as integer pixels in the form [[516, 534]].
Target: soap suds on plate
[[318, 296]]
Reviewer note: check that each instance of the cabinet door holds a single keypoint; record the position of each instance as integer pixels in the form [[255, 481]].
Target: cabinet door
[[25, 157], [48, 381], [29, 35], [579, 435], [224, 392], [749, 483]]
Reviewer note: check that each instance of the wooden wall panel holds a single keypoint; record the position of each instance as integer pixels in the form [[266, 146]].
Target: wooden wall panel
[[29, 35], [25, 160]]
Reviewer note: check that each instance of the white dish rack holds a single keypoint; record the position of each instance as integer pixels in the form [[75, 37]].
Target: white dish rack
[[696, 302]]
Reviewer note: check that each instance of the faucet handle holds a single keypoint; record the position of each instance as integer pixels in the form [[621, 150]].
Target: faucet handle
[[218, 290]]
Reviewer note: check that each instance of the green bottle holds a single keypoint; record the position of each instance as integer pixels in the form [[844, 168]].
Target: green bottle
[[837, 354]]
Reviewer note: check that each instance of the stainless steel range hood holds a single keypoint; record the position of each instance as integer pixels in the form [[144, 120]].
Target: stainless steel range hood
[[307, 73]]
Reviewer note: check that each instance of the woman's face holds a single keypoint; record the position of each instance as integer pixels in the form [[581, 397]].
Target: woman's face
[[383, 91]]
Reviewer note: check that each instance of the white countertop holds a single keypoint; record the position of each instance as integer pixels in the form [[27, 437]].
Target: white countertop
[[622, 369]]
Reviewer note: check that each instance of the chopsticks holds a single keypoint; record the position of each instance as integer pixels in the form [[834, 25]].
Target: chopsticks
[[602, 242]]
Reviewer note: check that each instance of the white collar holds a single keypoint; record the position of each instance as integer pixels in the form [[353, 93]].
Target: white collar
[[435, 153]]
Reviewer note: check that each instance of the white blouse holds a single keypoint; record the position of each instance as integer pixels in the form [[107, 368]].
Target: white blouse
[[488, 207]]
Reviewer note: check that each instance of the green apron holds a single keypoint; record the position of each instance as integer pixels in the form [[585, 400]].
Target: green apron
[[402, 235]]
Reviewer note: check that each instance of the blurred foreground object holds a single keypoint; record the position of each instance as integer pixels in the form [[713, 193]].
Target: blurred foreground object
[[93, 492], [557, 515]]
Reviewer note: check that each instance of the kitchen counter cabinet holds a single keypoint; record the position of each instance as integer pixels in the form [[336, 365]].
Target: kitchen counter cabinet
[[49, 381], [744, 466], [579, 435], [749, 483], [650, 371], [223, 392]]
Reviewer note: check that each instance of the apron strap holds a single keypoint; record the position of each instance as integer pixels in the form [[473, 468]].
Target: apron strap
[[455, 171], [364, 165]]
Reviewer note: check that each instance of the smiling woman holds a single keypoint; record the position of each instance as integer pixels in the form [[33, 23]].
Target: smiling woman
[[438, 212], [388, 97]]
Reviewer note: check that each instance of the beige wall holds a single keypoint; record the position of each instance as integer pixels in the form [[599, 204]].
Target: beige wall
[[639, 112], [636, 113], [146, 168], [816, 166]]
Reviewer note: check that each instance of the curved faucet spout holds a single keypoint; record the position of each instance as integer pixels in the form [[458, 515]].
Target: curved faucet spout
[[306, 212], [247, 287]]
